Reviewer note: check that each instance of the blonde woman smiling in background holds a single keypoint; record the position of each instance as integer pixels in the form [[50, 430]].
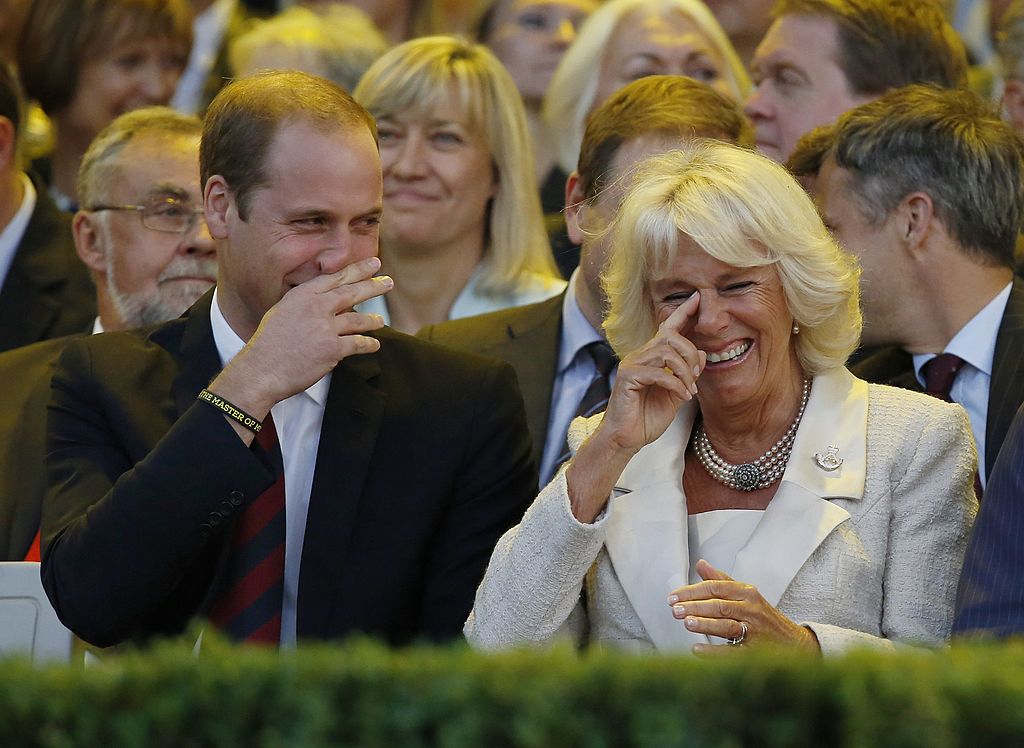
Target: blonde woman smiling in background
[[462, 231]]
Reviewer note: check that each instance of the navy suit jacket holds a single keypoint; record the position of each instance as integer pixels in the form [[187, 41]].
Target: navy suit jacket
[[424, 461], [990, 599]]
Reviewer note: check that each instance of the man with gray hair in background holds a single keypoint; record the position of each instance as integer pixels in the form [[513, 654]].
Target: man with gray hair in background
[[143, 238], [926, 187]]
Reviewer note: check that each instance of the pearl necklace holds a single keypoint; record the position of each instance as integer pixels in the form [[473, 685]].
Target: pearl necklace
[[760, 473]]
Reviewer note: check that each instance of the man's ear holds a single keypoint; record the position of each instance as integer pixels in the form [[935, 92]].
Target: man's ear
[[1013, 103], [915, 216], [575, 208], [218, 204], [88, 241]]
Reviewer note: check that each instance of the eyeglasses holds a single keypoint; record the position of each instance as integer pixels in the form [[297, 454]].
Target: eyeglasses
[[167, 214]]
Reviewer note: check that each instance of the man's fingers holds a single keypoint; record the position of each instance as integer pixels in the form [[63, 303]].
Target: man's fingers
[[354, 345], [348, 295], [352, 273], [353, 323]]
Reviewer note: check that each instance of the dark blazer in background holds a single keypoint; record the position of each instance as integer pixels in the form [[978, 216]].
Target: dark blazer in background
[[990, 599], [48, 292], [423, 463], [25, 373], [527, 337], [895, 366]]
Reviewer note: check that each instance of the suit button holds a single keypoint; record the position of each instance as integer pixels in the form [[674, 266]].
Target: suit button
[[204, 530], [215, 519], [236, 498], [226, 508]]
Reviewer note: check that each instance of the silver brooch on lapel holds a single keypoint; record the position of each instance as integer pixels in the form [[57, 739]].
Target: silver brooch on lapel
[[829, 461]]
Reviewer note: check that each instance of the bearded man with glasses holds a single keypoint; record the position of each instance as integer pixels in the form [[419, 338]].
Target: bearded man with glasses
[[145, 242]]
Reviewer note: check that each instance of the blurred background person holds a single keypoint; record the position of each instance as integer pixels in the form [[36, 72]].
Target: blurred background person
[[144, 240], [530, 37], [338, 42], [214, 24], [562, 361], [398, 20], [44, 290], [1011, 57], [621, 41], [87, 61], [745, 22], [742, 489], [462, 231], [821, 58]]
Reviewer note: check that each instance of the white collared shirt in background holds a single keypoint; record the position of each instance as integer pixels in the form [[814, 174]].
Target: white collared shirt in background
[[975, 343], [298, 421], [14, 231]]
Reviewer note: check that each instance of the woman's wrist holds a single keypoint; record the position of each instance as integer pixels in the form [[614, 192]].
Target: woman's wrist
[[592, 474]]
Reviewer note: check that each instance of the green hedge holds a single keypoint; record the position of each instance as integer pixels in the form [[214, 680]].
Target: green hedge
[[362, 694]]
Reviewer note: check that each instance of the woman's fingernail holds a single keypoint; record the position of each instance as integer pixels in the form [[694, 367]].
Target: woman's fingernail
[[691, 623], [673, 599], [678, 610]]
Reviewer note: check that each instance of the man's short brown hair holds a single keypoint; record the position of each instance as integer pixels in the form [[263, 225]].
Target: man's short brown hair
[[657, 105], [886, 44], [243, 119]]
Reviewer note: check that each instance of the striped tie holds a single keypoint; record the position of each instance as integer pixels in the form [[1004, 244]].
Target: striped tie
[[595, 399], [249, 608]]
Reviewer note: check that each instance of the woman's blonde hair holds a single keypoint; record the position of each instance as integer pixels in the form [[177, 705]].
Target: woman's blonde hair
[[573, 88], [746, 211], [419, 75]]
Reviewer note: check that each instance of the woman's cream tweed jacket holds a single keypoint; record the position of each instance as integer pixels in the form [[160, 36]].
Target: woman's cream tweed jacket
[[865, 555]]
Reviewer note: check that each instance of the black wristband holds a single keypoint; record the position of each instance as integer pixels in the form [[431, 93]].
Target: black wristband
[[231, 411]]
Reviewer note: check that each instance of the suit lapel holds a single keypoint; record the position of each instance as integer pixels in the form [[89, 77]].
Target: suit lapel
[[352, 419], [647, 532], [647, 524], [41, 267], [532, 350], [1006, 390], [199, 361]]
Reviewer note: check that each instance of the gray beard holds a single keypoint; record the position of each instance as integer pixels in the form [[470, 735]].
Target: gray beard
[[168, 301]]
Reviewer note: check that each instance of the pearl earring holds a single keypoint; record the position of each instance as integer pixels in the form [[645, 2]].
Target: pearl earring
[[796, 329]]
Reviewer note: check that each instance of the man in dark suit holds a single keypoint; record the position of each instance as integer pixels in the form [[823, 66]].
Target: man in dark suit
[[546, 342], [395, 466], [44, 290], [990, 599], [149, 266], [924, 186]]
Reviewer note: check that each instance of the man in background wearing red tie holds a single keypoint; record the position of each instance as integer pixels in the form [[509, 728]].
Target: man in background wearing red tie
[[391, 467], [925, 187]]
